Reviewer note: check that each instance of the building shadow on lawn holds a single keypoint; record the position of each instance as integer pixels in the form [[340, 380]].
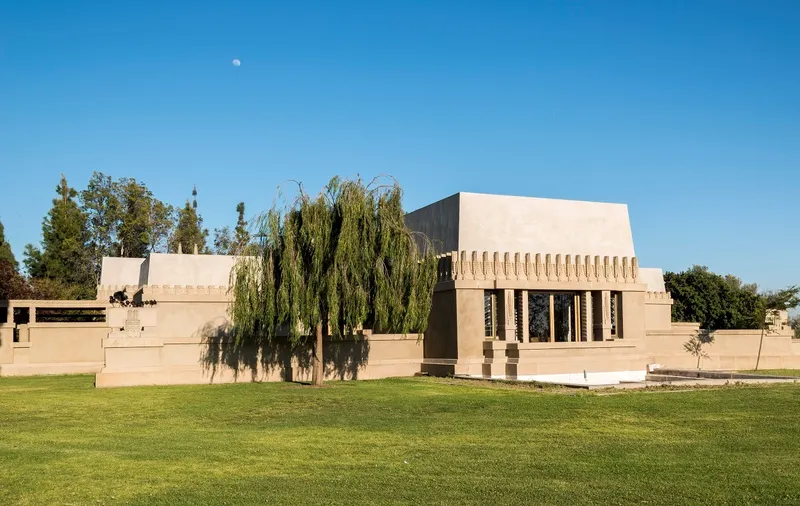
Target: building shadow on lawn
[[278, 359]]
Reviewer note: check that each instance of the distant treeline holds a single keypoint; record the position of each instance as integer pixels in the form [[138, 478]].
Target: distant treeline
[[108, 218]]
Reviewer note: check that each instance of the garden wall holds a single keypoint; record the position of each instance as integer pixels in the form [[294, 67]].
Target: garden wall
[[196, 360], [41, 345], [731, 349]]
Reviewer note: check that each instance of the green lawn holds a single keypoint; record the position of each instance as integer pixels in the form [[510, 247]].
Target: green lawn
[[404, 441]]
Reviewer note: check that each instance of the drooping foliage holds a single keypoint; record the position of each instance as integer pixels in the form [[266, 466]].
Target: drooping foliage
[[342, 260]]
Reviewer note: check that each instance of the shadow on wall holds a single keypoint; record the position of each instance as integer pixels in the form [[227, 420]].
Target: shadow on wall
[[278, 359]]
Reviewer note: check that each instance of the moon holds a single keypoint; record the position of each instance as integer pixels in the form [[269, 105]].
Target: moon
[[236, 62]]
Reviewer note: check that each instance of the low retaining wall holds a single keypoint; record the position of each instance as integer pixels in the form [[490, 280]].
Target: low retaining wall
[[731, 349], [172, 361], [52, 348]]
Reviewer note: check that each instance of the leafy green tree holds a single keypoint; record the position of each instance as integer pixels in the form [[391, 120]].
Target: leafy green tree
[[223, 242], [714, 301], [237, 243], [334, 263], [189, 231], [65, 238], [162, 223], [770, 304], [12, 284], [54, 289], [134, 229], [794, 322], [6, 254], [101, 204], [696, 345]]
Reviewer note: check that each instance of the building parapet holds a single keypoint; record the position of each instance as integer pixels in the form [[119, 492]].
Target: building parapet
[[106, 291], [465, 265], [185, 290], [658, 298]]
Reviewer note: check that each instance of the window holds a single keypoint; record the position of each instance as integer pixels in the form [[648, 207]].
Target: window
[[538, 317], [490, 313], [564, 316], [553, 317], [70, 315], [615, 307]]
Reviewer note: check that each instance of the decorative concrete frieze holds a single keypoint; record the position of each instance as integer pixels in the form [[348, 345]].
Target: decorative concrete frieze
[[543, 267], [658, 296]]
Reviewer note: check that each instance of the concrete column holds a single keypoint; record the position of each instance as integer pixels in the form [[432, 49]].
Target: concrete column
[[602, 316], [587, 322], [524, 316], [506, 326], [32, 313]]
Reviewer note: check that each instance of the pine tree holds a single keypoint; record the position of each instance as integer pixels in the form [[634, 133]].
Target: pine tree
[[241, 234], [189, 231], [64, 256], [335, 262]]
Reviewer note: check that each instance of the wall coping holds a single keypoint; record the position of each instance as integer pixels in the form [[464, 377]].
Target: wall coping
[[621, 343], [534, 285], [51, 303], [68, 325]]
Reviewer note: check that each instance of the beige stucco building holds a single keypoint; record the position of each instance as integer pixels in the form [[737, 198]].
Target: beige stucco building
[[528, 288], [525, 282]]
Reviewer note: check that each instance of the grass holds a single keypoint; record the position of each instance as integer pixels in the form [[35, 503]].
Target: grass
[[403, 441]]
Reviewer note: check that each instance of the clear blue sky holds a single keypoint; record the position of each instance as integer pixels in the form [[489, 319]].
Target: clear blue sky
[[688, 111]]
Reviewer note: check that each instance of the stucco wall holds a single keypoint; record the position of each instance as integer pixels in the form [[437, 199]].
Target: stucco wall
[[527, 224], [52, 348], [653, 277], [166, 269], [442, 341], [158, 361], [731, 350], [439, 222], [121, 271], [483, 222]]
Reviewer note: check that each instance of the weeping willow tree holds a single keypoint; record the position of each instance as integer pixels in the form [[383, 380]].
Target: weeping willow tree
[[332, 264]]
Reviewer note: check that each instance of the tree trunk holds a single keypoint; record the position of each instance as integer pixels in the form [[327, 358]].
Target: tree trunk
[[760, 343], [318, 371]]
